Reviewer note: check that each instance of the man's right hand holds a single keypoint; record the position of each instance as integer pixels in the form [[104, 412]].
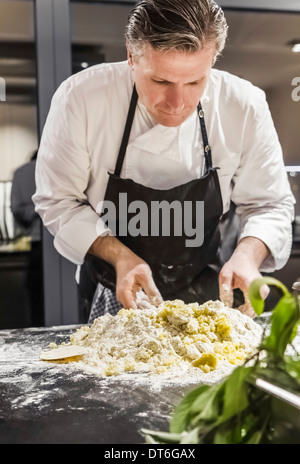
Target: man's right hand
[[133, 274]]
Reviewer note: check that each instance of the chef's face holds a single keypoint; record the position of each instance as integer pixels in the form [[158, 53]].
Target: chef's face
[[170, 84]]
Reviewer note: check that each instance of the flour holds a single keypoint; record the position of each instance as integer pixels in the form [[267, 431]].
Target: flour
[[174, 343]]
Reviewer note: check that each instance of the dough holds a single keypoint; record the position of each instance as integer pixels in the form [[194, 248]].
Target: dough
[[63, 353]]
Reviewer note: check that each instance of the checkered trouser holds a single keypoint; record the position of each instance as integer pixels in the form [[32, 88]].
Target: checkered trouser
[[104, 301]]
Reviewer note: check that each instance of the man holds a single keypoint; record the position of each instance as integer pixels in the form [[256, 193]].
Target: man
[[164, 127]]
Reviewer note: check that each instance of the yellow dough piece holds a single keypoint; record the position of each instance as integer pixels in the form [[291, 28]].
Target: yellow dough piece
[[64, 353]]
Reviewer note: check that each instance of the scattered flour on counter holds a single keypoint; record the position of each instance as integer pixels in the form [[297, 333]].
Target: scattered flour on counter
[[174, 343]]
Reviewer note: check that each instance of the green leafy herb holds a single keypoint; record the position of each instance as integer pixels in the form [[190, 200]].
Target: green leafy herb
[[284, 319], [234, 411]]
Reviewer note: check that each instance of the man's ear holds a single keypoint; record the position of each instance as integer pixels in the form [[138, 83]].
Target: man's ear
[[129, 57]]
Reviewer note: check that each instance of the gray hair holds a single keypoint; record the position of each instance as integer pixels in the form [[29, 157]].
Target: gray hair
[[182, 25]]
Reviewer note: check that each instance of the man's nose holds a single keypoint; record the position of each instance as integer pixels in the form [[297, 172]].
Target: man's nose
[[175, 99]]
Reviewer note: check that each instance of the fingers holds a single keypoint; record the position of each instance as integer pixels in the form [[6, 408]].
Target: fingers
[[239, 274], [226, 287], [136, 288], [127, 299], [226, 295], [137, 299], [264, 291], [144, 302], [152, 292], [150, 295]]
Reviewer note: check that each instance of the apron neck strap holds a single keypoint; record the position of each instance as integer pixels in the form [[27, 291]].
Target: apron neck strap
[[126, 134], [206, 146], [127, 130]]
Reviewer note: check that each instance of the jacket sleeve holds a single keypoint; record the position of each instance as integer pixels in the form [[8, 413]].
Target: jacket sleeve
[[261, 190], [62, 176]]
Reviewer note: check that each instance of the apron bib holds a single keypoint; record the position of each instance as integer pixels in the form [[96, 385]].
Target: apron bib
[[179, 271]]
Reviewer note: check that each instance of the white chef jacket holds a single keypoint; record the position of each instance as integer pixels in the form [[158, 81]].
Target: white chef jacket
[[81, 139]]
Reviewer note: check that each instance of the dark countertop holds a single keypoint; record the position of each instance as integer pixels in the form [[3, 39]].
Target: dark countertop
[[42, 403], [49, 403]]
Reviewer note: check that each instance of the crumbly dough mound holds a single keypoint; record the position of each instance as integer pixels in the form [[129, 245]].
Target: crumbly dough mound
[[175, 337]]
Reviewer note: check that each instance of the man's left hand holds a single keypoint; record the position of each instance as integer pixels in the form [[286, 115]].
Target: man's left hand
[[240, 270]]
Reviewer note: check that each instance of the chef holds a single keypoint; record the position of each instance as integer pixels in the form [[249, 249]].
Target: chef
[[164, 132]]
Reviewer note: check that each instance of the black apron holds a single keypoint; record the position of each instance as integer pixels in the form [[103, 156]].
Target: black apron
[[179, 271]]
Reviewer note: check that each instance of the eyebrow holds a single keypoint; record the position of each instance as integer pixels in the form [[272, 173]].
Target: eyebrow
[[169, 82]]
